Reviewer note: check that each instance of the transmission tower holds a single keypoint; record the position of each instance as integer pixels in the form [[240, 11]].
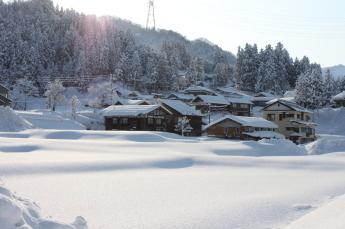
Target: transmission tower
[[151, 20]]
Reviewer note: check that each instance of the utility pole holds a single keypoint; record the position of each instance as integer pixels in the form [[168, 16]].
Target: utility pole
[[151, 16]]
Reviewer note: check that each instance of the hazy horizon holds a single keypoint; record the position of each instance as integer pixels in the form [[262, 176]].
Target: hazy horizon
[[311, 28]]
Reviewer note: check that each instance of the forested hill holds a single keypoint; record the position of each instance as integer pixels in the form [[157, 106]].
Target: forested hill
[[200, 48], [40, 40]]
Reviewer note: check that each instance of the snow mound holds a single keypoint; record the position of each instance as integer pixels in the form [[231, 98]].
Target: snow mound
[[331, 121], [327, 144], [18, 213], [45, 119], [263, 148], [332, 215], [11, 122]]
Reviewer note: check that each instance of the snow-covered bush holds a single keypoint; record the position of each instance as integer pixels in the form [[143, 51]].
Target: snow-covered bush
[[19, 213], [75, 102], [183, 125], [54, 94]]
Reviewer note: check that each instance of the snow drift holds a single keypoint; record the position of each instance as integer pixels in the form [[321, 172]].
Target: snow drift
[[19, 213], [10, 121], [327, 144], [330, 121], [332, 215]]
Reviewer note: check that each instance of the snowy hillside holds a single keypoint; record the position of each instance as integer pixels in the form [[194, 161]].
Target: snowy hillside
[[330, 121], [337, 71]]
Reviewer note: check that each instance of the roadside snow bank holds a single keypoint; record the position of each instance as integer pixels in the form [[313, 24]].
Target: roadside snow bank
[[332, 215], [10, 121], [18, 213], [330, 121], [327, 144]]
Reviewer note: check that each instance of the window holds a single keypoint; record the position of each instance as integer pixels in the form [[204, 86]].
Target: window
[[158, 121], [124, 121], [293, 129], [115, 121], [244, 105], [150, 121], [271, 117], [290, 115], [298, 116]]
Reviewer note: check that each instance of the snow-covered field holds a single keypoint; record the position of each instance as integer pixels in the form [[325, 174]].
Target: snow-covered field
[[159, 180]]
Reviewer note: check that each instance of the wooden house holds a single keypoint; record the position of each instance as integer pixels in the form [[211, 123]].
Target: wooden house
[[210, 103], [240, 106], [137, 117], [339, 99], [180, 109], [244, 128], [236, 106], [294, 121], [4, 96]]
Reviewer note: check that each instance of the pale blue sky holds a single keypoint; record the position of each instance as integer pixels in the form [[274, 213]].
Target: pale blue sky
[[315, 28]]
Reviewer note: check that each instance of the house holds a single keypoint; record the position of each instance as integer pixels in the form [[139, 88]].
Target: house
[[4, 96], [260, 99], [180, 109], [209, 103], [199, 90], [236, 106], [181, 96], [240, 106], [293, 121], [137, 117], [339, 99], [244, 128]]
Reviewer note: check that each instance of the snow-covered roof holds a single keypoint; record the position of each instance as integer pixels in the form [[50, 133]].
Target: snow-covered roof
[[181, 96], [129, 110], [243, 100], [232, 92], [210, 99], [245, 121], [290, 104], [195, 89], [263, 94], [265, 134], [129, 101], [311, 124], [340, 96], [181, 107]]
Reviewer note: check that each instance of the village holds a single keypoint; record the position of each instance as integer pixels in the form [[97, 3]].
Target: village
[[225, 113]]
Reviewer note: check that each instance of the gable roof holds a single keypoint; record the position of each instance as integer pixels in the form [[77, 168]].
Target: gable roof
[[289, 104], [264, 94], [129, 101], [243, 100], [181, 96], [195, 89], [181, 107], [340, 96], [245, 121], [129, 110], [210, 99]]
